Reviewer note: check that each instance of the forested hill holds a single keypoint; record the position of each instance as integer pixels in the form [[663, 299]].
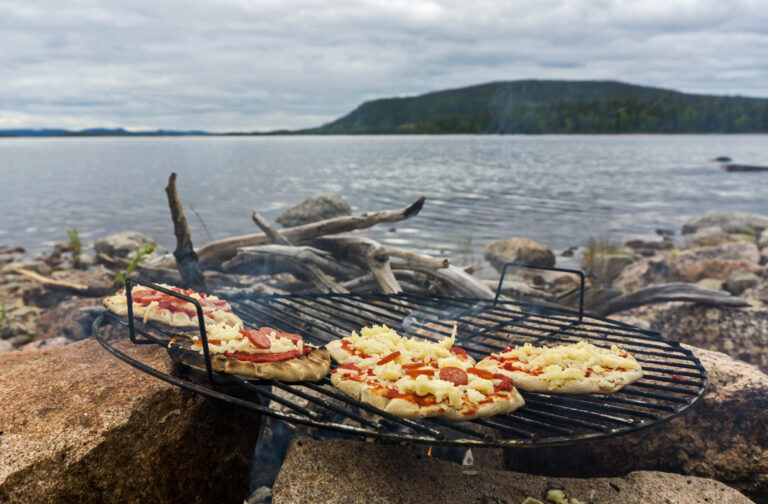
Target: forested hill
[[536, 106]]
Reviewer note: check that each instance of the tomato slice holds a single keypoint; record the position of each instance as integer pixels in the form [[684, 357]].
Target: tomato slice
[[426, 400], [413, 365], [506, 382], [455, 375], [482, 373], [389, 358], [258, 338], [351, 366]]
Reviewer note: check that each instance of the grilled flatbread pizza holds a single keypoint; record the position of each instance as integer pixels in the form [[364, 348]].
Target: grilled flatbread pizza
[[578, 368], [150, 304], [264, 353], [420, 379]]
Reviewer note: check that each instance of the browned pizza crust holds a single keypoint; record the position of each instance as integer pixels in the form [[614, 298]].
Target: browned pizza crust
[[407, 409], [311, 367]]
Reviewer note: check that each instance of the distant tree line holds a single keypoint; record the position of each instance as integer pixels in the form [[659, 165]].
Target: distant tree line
[[547, 107]]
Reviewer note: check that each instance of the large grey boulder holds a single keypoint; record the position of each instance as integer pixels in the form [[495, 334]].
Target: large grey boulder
[[122, 245], [644, 272], [741, 333], [78, 425], [730, 221], [353, 472], [316, 208], [522, 250], [722, 436], [710, 236]]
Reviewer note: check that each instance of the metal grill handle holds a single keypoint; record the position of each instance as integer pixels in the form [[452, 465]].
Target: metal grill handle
[[129, 283]]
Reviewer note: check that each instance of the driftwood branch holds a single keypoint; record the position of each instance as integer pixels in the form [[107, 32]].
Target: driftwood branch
[[187, 261], [413, 258], [213, 254], [59, 285], [265, 259], [663, 293], [364, 252], [455, 279], [316, 275]]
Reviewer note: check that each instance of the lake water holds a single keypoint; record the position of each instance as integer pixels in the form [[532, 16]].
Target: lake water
[[559, 190]]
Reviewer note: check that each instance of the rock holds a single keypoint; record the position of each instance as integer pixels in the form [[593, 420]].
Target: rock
[[722, 159], [41, 297], [644, 272], [94, 429], [739, 281], [67, 319], [710, 236], [759, 293], [5, 346], [36, 266], [730, 221], [665, 232], [46, 344], [97, 282], [340, 471], [608, 267], [741, 333], [12, 330], [522, 250], [717, 261], [710, 283], [570, 251], [719, 269], [721, 437], [122, 245], [315, 208], [744, 168], [762, 241]]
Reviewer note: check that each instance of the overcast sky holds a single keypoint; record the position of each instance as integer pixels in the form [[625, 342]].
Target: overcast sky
[[226, 65]]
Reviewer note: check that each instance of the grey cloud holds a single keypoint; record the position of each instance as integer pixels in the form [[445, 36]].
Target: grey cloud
[[224, 65]]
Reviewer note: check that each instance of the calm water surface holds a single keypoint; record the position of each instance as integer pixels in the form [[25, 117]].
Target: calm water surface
[[556, 189]]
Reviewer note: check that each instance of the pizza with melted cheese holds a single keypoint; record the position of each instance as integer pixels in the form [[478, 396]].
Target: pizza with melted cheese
[[264, 353], [151, 304], [416, 379], [577, 368]]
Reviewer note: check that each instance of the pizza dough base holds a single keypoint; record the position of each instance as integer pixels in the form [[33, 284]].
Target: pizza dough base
[[596, 383], [340, 355], [406, 409], [311, 367]]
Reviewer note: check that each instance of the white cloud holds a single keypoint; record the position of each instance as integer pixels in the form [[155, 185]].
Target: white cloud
[[210, 64]]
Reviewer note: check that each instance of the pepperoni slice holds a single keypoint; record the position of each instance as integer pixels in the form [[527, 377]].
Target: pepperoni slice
[[413, 365], [458, 351], [265, 357], [426, 400], [146, 296], [258, 338], [482, 373], [351, 366], [455, 375]]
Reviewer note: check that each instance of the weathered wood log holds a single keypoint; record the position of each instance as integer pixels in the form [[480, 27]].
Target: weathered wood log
[[414, 258], [70, 287], [213, 254], [409, 280], [454, 278], [185, 255], [516, 289], [313, 272], [270, 259], [676, 291], [364, 252]]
